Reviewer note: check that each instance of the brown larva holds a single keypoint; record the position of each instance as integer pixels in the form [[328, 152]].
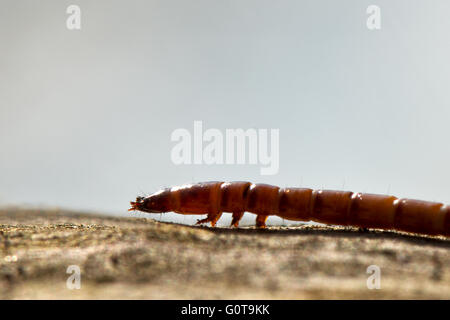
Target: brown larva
[[325, 206]]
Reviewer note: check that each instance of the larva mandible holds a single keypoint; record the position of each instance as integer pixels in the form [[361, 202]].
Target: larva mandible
[[301, 204]]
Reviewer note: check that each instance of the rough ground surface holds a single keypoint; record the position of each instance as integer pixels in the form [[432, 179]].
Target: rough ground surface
[[140, 258]]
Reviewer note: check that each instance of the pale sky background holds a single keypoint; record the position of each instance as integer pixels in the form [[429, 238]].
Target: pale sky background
[[86, 116]]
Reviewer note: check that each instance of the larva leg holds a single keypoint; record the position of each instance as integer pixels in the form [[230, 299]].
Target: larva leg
[[261, 221], [213, 218], [237, 216]]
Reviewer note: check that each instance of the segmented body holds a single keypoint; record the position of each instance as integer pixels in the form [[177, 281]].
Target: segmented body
[[301, 204]]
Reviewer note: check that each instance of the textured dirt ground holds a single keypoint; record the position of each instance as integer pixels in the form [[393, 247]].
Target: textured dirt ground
[[136, 258]]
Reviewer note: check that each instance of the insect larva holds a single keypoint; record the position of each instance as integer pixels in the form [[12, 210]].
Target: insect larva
[[325, 206]]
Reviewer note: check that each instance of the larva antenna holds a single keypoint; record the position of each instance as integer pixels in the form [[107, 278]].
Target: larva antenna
[[141, 192]]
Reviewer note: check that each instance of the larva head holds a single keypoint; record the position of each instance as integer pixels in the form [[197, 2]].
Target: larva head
[[156, 203]]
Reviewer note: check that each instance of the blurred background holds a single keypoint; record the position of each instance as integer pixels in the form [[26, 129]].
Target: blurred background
[[86, 115]]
